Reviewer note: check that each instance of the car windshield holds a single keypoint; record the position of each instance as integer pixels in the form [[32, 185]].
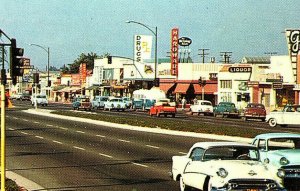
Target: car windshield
[[104, 99], [41, 96], [283, 143], [231, 153], [206, 103]]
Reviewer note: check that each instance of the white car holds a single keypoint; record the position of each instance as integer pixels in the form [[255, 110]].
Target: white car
[[290, 115], [223, 166], [202, 106], [39, 100], [114, 103], [281, 150]]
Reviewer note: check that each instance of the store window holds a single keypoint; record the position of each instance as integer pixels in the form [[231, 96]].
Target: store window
[[226, 84]]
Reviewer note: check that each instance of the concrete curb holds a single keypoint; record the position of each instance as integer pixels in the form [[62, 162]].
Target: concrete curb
[[23, 182], [45, 112]]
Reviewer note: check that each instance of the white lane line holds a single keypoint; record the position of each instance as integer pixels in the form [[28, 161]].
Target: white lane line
[[63, 128], [82, 132], [58, 142], [24, 133], [25, 120], [15, 118], [39, 137], [182, 153], [108, 156], [49, 125], [80, 148], [11, 129], [36, 122], [122, 140], [151, 146], [100, 136], [142, 165]]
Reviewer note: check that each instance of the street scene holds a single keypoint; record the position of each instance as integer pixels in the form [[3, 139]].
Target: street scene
[[150, 96]]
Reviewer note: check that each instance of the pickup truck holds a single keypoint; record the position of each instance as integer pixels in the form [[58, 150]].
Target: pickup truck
[[163, 108], [82, 103]]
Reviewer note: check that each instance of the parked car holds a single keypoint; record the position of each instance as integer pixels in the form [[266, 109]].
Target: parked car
[[114, 103], [26, 97], [290, 115], [163, 108], [254, 111], [281, 150], [202, 107], [15, 96], [226, 109], [98, 102], [223, 166], [82, 103], [127, 101], [39, 100], [143, 103]]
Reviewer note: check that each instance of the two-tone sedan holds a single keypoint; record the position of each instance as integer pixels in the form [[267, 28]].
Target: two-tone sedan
[[114, 103], [223, 166], [281, 150], [290, 115]]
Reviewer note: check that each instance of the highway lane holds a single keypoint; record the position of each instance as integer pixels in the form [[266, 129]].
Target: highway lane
[[67, 155]]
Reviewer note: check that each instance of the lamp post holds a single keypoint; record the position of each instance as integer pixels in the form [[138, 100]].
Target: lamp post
[[48, 53], [155, 34]]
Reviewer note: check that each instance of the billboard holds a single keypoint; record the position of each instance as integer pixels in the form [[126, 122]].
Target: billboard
[[142, 47]]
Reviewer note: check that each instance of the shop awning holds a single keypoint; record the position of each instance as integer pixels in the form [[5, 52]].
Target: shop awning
[[181, 88], [119, 87], [94, 87], [165, 86], [208, 89]]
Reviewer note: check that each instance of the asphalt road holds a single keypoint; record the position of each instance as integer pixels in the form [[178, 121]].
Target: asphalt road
[[66, 155]]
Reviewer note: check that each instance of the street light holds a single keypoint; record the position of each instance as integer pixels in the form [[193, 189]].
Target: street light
[[48, 52], [155, 34]]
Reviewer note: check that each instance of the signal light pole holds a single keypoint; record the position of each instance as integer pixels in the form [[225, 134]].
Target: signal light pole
[[48, 64]]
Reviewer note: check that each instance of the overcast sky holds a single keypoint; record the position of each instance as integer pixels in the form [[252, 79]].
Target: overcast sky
[[72, 27]]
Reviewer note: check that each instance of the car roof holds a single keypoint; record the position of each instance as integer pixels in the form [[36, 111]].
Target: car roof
[[207, 145], [277, 135]]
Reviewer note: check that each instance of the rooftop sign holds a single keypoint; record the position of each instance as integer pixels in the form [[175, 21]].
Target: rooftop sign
[[184, 41], [243, 69]]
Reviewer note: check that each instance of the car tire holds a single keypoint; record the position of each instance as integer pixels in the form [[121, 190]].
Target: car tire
[[207, 184], [272, 122], [183, 187]]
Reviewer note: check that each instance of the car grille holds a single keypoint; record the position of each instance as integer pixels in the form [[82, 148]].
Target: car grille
[[292, 177], [260, 184]]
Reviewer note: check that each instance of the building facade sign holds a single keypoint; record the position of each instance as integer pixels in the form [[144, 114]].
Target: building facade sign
[[184, 41], [174, 51], [142, 47]]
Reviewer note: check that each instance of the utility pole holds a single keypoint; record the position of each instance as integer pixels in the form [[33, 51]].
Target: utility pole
[[226, 55], [203, 54]]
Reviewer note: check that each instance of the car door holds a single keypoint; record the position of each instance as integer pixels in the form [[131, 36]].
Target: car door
[[192, 175]]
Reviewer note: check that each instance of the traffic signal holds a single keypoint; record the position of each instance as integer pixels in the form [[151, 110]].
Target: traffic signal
[[36, 78], [200, 81], [16, 62], [109, 59]]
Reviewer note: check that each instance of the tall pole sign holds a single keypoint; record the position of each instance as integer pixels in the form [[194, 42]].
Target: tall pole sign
[[293, 40], [174, 51]]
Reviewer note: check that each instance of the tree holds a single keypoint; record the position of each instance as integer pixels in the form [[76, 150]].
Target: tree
[[83, 58]]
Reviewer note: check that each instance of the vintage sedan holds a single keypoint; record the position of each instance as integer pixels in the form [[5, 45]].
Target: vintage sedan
[[202, 107], [222, 166], [82, 102], [290, 115], [226, 109], [254, 111], [281, 150], [114, 103], [98, 102]]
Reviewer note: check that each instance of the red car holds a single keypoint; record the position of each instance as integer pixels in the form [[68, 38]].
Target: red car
[[163, 108], [254, 111]]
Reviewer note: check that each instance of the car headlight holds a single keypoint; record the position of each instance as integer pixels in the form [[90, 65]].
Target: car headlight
[[281, 173], [222, 172], [284, 161]]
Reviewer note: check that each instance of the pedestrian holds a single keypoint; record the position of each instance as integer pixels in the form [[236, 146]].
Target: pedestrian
[[183, 103], [195, 101]]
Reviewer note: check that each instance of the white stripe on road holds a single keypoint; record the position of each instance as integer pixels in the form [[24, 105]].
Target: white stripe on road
[[39, 137], [15, 118], [24, 133], [108, 156], [100, 136], [151, 146], [49, 125], [82, 132], [25, 120], [11, 129], [63, 128], [58, 142], [80, 148], [122, 140], [142, 165], [36, 122]]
